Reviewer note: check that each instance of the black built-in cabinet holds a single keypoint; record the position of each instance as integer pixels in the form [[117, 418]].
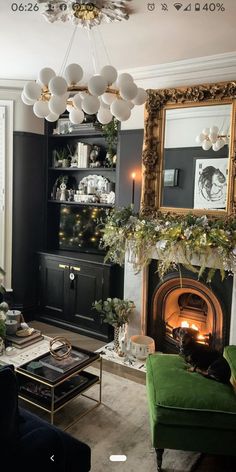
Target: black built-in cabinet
[[70, 283], [42, 285]]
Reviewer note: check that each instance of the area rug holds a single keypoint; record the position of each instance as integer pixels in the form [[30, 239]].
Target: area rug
[[120, 426]]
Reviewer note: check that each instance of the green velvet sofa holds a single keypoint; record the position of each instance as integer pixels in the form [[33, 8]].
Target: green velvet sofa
[[188, 411]]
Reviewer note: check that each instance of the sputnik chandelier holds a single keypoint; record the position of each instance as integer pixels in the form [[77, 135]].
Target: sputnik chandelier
[[106, 94], [211, 137], [85, 13]]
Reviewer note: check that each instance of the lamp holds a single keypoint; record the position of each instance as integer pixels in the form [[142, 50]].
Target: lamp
[[106, 94], [211, 137]]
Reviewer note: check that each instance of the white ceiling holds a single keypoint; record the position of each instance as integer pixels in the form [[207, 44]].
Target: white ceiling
[[28, 43]]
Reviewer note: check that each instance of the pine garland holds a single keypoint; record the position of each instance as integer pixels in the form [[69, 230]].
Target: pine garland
[[174, 238]]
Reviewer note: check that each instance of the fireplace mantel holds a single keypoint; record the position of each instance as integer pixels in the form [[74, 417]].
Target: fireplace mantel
[[136, 289]]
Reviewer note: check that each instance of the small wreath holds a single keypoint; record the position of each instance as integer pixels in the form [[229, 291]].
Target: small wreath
[[65, 343]]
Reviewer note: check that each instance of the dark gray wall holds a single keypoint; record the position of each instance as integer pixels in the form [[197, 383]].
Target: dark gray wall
[[184, 159], [130, 152], [28, 215]]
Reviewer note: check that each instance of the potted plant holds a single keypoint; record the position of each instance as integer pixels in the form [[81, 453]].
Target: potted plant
[[111, 135], [115, 312]]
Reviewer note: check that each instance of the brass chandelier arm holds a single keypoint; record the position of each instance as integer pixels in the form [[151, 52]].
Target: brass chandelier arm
[[46, 95]]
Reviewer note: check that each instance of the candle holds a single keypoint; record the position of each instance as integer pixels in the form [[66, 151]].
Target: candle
[[133, 187]]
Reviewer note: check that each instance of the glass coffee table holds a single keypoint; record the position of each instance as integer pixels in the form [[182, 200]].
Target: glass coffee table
[[50, 384]]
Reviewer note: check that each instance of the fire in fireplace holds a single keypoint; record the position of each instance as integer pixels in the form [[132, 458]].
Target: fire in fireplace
[[188, 302], [190, 311]]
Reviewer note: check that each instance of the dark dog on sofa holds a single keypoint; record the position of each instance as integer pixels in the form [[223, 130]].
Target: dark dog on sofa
[[204, 360]]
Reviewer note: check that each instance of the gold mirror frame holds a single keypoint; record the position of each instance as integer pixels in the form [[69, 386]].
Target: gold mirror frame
[[152, 160]]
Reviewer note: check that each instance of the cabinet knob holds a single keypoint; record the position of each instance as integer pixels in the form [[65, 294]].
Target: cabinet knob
[[63, 266], [72, 276]]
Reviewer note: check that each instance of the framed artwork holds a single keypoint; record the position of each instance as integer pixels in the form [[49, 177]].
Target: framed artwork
[[210, 184], [171, 177]]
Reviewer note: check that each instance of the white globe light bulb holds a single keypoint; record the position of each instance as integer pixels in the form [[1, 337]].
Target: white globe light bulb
[[214, 130], [141, 97], [128, 90], [58, 86], [90, 105], [200, 138], [52, 117], [57, 104], [45, 75], [108, 97], [77, 100], [83, 94], [32, 91], [213, 137], [109, 73], [73, 74], [221, 143], [120, 109], [124, 78], [206, 145], [206, 131], [76, 116], [41, 109], [130, 103], [26, 100], [97, 85], [69, 107], [104, 116], [103, 104]]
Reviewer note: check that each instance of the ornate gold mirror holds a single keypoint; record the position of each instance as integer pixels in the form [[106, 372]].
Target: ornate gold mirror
[[189, 162]]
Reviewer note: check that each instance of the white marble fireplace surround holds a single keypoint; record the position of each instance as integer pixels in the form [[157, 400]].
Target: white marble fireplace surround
[[136, 289]]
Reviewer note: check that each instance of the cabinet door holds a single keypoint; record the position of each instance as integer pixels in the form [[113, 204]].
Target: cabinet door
[[86, 287], [54, 288]]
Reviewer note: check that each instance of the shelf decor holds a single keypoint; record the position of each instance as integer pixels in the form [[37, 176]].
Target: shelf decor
[[173, 237]]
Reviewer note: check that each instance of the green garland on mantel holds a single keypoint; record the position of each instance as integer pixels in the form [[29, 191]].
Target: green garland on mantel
[[187, 239]]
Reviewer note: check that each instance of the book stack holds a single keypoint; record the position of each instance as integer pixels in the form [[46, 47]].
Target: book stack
[[22, 342], [83, 152]]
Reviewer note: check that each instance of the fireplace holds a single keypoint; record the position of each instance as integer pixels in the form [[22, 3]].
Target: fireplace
[[186, 301]]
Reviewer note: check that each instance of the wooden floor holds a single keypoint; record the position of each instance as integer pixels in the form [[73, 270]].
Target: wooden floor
[[92, 345]]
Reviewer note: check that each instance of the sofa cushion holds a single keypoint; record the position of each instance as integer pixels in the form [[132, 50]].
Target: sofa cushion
[[179, 397], [230, 356], [8, 407]]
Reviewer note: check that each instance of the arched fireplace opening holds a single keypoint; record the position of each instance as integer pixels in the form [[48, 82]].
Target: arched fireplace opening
[[188, 302]]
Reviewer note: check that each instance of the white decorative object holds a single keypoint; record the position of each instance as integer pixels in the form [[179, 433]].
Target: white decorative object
[[86, 13], [104, 94], [141, 346], [210, 185], [111, 198], [63, 192], [212, 137], [123, 338], [97, 182]]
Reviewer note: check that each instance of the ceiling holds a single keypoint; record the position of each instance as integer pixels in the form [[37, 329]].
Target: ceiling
[[28, 43]]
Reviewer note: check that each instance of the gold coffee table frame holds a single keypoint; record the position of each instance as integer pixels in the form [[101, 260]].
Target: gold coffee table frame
[[82, 368]]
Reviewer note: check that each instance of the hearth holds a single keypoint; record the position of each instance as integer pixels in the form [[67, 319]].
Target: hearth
[[180, 299]]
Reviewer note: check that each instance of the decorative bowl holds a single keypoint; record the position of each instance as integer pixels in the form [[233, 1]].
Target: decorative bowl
[[141, 346]]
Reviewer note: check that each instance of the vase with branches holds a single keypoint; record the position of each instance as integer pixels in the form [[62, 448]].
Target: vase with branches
[[115, 312]]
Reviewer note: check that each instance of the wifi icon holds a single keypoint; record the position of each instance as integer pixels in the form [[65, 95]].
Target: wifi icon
[[178, 6]]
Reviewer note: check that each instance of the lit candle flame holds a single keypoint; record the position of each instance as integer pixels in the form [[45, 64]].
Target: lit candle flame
[[133, 175]]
